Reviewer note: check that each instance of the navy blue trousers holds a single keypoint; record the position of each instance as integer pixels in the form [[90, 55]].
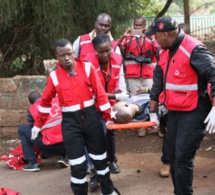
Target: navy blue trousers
[[24, 132]]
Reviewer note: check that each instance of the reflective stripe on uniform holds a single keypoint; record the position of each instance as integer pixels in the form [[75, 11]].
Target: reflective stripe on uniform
[[71, 108], [87, 68], [85, 42], [152, 64], [115, 66], [89, 103], [103, 172], [131, 62], [54, 78], [44, 110], [105, 106], [161, 51], [185, 51], [78, 181], [78, 106], [182, 87], [98, 157], [77, 161], [52, 124]]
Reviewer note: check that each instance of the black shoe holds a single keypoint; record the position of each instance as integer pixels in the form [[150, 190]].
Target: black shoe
[[93, 183], [115, 192], [31, 167], [63, 162], [114, 168]]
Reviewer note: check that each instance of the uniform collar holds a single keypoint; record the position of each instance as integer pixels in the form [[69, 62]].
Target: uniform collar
[[177, 43], [92, 34]]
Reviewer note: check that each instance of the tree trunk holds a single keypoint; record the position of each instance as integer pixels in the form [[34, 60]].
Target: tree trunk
[[187, 13], [164, 10]]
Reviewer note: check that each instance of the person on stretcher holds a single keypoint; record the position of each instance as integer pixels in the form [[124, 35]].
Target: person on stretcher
[[135, 108]]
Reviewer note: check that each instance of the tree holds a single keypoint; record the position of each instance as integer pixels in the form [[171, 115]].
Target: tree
[[29, 28], [164, 10]]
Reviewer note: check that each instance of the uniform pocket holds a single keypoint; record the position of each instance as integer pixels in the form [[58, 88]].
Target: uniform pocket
[[182, 100], [66, 93]]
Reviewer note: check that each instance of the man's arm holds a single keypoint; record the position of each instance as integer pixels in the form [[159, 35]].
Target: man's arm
[[45, 104], [76, 47], [121, 85], [101, 96], [30, 119], [203, 61], [157, 86]]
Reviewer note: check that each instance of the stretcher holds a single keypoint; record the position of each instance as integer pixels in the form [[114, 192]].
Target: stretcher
[[131, 125]]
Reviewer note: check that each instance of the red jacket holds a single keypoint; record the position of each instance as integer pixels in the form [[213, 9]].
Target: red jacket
[[75, 92], [135, 45], [109, 84], [181, 80], [51, 131], [86, 46]]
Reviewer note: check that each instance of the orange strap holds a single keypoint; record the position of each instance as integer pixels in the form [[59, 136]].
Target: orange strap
[[132, 125]]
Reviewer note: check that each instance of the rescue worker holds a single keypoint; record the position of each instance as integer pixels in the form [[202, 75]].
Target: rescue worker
[[139, 54], [180, 80], [109, 66], [162, 115], [79, 89], [83, 44], [49, 142]]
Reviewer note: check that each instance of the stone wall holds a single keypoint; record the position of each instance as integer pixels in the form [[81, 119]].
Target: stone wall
[[14, 101]]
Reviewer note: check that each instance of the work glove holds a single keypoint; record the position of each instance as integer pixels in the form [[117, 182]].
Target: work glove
[[109, 122], [34, 132], [121, 96], [210, 120], [154, 118]]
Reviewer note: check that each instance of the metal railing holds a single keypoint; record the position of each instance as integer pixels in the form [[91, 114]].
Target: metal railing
[[201, 26]]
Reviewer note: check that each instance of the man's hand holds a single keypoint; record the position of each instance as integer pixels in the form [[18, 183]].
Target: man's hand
[[127, 33], [154, 118], [34, 132], [121, 96], [152, 38], [142, 90], [109, 122], [210, 120]]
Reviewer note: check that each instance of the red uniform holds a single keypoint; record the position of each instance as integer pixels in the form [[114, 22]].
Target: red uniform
[[68, 90], [138, 46], [81, 125], [51, 131], [181, 86], [110, 81], [86, 46]]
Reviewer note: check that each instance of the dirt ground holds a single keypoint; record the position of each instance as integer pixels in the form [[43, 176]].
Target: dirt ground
[[139, 160]]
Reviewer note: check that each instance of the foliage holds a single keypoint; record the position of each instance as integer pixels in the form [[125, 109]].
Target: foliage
[[196, 7], [30, 28]]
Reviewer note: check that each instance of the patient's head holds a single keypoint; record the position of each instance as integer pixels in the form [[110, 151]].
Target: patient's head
[[122, 112]]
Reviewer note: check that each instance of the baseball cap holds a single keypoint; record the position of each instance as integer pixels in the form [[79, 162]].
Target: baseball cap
[[162, 24]]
